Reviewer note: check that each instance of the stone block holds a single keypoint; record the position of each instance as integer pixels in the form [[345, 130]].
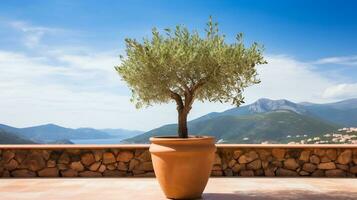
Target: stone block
[[304, 173], [125, 156], [20, 155], [98, 155], [51, 163], [269, 172], [236, 168], [343, 167], [111, 167], [228, 172], [23, 173], [328, 165], [264, 154], [232, 163], [34, 161], [305, 156], [122, 166], [345, 157], [309, 167], [144, 156], [335, 173], [133, 163], [8, 155], [48, 172], [77, 166], [318, 173], [331, 154], [145, 166], [324, 159], [87, 159], [248, 157], [319, 152], [114, 173], [69, 173], [314, 159], [216, 173], [108, 158], [64, 159], [11, 165], [95, 166], [353, 170], [254, 165], [246, 173], [291, 164], [102, 168], [237, 154], [90, 174], [279, 154], [286, 172]]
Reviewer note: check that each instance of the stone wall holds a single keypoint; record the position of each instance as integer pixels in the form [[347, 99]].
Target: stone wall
[[135, 160], [330, 161]]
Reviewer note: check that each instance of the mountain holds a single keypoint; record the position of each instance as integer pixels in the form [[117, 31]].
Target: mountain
[[272, 126], [267, 120], [342, 112], [61, 142], [51, 133], [10, 138], [260, 106], [54, 134]]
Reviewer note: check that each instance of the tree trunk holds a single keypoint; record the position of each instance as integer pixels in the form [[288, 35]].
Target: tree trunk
[[182, 123]]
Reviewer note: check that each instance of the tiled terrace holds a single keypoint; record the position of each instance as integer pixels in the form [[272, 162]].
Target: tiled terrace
[[148, 188]]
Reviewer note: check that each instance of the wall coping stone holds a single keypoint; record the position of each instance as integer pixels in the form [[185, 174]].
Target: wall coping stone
[[146, 146]]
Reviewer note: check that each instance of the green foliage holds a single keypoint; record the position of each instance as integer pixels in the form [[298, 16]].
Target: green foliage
[[183, 66]]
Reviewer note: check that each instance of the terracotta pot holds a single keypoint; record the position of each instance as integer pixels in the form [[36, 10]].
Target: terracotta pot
[[182, 165]]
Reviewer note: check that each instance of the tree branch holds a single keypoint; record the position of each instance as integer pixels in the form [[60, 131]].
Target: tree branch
[[183, 84], [177, 98], [198, 85]]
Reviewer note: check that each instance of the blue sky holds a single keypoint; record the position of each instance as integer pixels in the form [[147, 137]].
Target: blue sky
[[57, 57]]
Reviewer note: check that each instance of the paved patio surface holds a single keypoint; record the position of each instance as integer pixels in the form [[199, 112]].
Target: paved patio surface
[[148, 188]]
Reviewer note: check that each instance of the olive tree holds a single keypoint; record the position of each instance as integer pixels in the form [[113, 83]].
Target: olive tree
[[183, 66]]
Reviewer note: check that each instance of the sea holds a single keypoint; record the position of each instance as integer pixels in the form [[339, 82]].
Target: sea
[[98, 141]]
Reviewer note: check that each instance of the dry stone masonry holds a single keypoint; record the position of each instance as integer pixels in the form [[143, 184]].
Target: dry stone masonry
[[286, 162], [75, 163], [121, 161]]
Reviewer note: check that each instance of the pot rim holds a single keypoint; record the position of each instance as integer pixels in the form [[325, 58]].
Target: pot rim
[[177, 139]]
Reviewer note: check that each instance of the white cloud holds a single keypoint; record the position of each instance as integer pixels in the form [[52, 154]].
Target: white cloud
[[287, 78], [341, 91], [35, 92], [343, 60], [33, 34]]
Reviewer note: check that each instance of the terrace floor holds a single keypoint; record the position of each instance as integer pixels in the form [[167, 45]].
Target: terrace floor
[[148, 188]]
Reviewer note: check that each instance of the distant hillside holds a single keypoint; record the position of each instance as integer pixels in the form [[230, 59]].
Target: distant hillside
[[61, 142], [260, 106], [9, 138], [263, 120], [51, 132], [343, 112], [54, 134], [273, 126]]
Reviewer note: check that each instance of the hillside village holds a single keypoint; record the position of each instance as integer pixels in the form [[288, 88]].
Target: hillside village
[[347, 135]]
